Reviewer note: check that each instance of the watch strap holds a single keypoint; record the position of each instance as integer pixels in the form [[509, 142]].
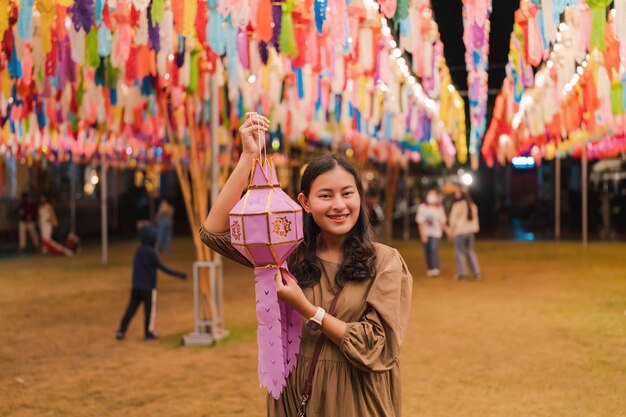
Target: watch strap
[[318, 316]]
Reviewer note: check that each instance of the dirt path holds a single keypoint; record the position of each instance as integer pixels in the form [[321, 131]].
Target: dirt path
[[543, 334]]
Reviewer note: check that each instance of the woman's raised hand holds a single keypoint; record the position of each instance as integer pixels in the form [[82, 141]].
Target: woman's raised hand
[[253, 127]]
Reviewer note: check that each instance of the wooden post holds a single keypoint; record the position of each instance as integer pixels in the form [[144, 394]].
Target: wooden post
[[584, 196], [103, 209], [557, 199], [406, 233], [151, 207], [72, 196], [390, 197]]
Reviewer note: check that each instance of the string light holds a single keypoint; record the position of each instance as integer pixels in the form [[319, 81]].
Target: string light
[[580, 70], [396, 55]]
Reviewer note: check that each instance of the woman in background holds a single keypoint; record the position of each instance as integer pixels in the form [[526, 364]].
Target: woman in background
[[463, 226], [165, 222]]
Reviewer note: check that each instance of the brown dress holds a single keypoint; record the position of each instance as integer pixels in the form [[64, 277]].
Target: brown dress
[[361, 377]]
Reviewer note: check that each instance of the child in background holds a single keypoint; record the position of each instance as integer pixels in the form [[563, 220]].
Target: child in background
[[145, 264]]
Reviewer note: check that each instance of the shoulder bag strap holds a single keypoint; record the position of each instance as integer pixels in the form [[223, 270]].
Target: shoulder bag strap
[[316, 354]]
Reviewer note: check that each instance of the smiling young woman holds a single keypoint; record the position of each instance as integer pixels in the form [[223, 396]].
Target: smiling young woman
[[352, 291]]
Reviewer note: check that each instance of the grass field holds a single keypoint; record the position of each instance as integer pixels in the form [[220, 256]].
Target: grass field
[[544, 334]]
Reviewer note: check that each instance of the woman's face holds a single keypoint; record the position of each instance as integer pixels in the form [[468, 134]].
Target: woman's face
[[333, 201]]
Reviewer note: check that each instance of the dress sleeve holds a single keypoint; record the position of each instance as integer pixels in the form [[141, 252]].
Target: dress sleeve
[[373, 343], [220, 243]]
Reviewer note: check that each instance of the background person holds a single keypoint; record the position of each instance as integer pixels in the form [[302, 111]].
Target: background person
[[47, 221], [431, 222], [464, 226], [28, 214], [375, 212], [165, 223], [144, 284]]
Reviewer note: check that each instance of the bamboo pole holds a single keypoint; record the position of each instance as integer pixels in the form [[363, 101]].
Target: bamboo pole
[[197, 177], [192, 196], [215, 189]]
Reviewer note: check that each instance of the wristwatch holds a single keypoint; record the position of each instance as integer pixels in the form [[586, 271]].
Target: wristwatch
[[315, 322]]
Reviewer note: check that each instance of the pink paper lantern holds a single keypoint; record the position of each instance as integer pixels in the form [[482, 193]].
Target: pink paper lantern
[[266, 227]]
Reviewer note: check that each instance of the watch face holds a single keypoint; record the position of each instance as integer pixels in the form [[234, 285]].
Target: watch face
[[313, 325]]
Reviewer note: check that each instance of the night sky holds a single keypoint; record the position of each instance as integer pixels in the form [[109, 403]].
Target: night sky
[[449, 17]]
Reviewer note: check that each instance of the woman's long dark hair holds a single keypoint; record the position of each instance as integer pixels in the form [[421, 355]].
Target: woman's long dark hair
[[358, 262]]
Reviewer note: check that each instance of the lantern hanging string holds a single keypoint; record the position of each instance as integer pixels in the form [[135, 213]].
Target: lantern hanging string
[[261, 143]]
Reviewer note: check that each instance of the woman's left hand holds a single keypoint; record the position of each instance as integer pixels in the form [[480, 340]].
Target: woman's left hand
[[290, 292]]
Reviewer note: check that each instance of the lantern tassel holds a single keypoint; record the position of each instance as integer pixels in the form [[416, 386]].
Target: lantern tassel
[[271, 365], [292, 331]]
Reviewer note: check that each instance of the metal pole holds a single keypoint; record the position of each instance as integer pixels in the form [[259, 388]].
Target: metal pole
[[103, 210], [72, 196], [584, 196], [196, 299], [557, 199], [116, 198]]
